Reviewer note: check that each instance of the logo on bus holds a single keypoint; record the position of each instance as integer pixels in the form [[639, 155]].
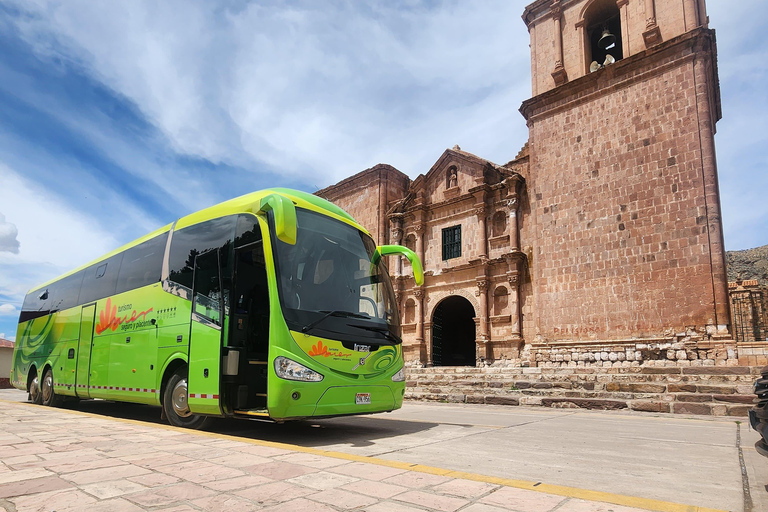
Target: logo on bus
[[108, 318], [322, 350]]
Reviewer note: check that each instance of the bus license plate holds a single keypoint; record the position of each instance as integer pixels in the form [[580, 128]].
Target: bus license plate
[[362, 398]]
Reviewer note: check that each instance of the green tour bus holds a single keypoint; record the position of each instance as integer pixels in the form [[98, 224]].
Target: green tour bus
[[273, 305]]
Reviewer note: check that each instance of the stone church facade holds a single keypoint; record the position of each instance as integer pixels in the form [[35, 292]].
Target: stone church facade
[[601, 241]]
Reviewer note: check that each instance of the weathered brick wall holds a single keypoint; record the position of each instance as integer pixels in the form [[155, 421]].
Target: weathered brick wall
[[619, 225]]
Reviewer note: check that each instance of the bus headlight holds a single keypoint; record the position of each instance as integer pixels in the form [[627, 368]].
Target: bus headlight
[[291, 370], [399, 376]]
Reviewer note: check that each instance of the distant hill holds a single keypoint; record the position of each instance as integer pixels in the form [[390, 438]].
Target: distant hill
[[751, 263]]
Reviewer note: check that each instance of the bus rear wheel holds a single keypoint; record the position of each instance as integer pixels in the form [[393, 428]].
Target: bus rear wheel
[[48, 395], [175, 403]]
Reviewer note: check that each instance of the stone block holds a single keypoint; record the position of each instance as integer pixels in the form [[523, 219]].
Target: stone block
[[738, 410], [585, 403], [695, 397], [456, 399], [649, 406], [735, 399], [691, 408], [716, 370], [475, 399], [501, 400], [681, 388], [720, 390], [644, 388]]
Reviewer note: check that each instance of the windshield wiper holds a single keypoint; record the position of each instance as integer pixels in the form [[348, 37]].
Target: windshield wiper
[[335, 312], [381, 330]]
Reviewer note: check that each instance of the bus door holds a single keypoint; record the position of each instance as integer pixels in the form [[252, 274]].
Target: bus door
[[206, 334], [84, 345], [248, 347]]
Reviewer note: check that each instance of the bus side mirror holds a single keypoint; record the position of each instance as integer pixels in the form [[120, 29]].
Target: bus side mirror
[[285, 216], [388, 250]]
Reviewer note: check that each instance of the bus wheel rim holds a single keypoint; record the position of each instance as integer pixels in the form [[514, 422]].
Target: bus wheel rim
[[47, 387], [34, 388], [179, 399]]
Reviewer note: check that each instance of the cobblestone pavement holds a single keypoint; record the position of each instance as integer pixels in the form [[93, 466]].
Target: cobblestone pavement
[[64, 460]]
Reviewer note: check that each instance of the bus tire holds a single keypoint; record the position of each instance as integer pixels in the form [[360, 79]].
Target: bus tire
[[35, 396], [175, 403], [48, 395]]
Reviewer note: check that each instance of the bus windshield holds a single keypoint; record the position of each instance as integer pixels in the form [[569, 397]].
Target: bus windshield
[[329, 287]]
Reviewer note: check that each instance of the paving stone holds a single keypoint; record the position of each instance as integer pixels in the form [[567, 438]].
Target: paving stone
[[342, 499], [367, 471], [392, 507], [225, 503], [104, 474], [24, 474], [308, 459], [416, 480], [279, 470], [201, 472], [300, 505], [577, 505], [32, 486], [154, 479], [432, 501], [112, 489], [114, 505], [322, 480], [483, 507], [379, 490], [233, 484], [240, 460], [522, 499], [272, 494], [71, 500], [468, 489]]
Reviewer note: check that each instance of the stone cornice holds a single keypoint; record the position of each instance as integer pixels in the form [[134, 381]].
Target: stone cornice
[[626, 72]]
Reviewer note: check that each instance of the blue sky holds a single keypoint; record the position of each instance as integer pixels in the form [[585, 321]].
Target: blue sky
[[118, 117]]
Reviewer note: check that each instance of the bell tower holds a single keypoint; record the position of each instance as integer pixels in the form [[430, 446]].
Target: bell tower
[[624, 224]]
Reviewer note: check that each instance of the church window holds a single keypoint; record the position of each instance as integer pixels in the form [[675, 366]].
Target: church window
[[500, 300], [499, 225], [451, 242]]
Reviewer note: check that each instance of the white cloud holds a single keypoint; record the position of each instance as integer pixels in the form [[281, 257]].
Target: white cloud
[[9, 338], [8, 309], [8, 234], [306, 88]]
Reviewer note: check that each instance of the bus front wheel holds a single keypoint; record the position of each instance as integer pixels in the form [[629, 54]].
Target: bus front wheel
[[176, 406], [48, 395]]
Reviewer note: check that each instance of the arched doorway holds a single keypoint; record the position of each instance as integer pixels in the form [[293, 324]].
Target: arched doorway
[[453, 333]]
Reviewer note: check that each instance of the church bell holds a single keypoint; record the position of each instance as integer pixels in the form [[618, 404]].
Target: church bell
[[606, 40]]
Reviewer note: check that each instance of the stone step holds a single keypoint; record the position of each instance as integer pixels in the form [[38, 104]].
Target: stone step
[[596, 402]]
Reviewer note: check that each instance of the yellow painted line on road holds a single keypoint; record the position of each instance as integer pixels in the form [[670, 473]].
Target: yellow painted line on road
[[559, 490]]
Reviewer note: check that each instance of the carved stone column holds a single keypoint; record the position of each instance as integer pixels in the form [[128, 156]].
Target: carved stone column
[[480, 211], [420, 229], [428, 335], [482, 294], [711, 195], [691, 14], [624, 17], [419, 294], [558, 75], [514, 293], [396, 237], [652, 34], [382, 209], [514, 235]]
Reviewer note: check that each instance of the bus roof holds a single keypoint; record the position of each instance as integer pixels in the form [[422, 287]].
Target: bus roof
[[247, 203]]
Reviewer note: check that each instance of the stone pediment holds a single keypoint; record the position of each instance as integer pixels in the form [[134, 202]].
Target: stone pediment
[[454, 174]]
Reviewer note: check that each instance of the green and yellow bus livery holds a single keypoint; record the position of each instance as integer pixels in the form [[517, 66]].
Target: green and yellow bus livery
[[276, 304]]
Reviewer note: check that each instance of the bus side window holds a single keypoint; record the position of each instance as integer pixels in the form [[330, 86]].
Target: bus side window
[[142, 264], [37, 303], [66, 291], [100, 279], [188, 242]]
